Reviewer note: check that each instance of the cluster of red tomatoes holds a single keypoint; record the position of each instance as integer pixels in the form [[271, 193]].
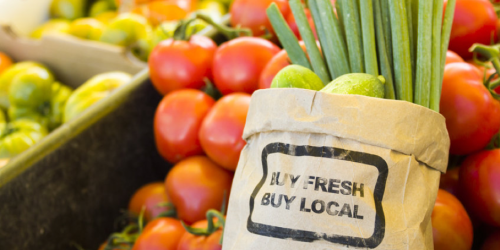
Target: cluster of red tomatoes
[[467, 211], [199, 131]]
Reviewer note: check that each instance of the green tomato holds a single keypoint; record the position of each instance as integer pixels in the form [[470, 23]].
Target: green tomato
[[126, 29], [9, 74], [214, 9], [17, 136], [31, 87], [68, 9], [30, 94], [56, 26], [87, 28], [357, 84], [225, 2], [92, 91], [35, 96], [60, 95], [296, 76], [100, 7]]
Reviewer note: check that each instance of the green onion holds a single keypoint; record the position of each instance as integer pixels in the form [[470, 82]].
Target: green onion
[[317, 62], [368, 28], [334, 48], [386, 19], [404, 40], [338, 9], [322, 37], [445, 40], [437, 71], [352, 24], [286, 37], [401, 51], [385, 66], [413, 37], [424, 52]]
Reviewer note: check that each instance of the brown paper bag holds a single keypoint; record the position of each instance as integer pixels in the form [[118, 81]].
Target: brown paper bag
[[323, 171]]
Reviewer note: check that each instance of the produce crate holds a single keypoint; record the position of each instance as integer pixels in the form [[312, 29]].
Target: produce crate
[[70, 188]]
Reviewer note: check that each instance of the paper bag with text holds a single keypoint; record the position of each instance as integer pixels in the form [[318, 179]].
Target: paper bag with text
[[323, 171]]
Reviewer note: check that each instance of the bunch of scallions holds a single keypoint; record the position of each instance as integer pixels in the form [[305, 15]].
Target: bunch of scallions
[[403, 40]]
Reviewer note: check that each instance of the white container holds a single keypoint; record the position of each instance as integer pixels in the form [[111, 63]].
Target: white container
[[24, 15]]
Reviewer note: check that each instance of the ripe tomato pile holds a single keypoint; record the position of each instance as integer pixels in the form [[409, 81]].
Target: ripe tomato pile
[[467, 211], [199, 125]]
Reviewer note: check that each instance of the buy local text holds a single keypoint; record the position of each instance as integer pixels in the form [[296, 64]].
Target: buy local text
[[317, 206]]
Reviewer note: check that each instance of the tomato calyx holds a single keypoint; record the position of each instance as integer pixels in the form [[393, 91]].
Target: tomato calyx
[[212, 226], [492, 54]]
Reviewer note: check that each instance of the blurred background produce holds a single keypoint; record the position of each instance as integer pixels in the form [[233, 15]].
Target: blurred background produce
[[33, 102], [136, 24]]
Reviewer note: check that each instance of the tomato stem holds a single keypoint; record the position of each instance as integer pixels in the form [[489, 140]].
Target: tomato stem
[[211, 90], [123, 240], [492, 54], [170, 212], [211, 227], [180, 33], [229, 33]]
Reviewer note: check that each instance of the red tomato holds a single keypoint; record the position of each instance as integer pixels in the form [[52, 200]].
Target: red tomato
[[474, 22], [290, 19], [252, 14], [472, 115], [451, 226], [449, 181], [480, 186], [5, 62], [160, 234], [194, 242], [149, 196], [452, 57], [181, 64], [273, 67], [177, 123], [239, 63], [196, 185], [492, 242], [222, 129]]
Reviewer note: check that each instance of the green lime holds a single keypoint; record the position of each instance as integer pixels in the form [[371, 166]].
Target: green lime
[[357, 84], [296, 76]]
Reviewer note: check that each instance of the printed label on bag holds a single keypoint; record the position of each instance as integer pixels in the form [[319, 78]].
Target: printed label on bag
[[310, 187]]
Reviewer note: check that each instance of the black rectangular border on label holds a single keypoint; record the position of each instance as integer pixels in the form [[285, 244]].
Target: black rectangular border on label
[[331, 153]]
